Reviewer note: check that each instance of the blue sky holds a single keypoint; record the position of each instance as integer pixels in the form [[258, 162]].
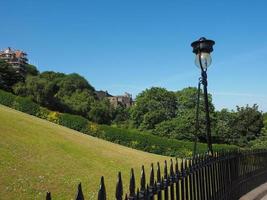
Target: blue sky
[[131, 45]]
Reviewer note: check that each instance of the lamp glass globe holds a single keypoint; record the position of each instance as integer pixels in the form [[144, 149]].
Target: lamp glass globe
[[205, 60]]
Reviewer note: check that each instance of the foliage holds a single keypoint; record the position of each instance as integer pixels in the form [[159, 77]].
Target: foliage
[[43, 113], [57, 91], [9, 76], [75, 122], [151, 143], [153, 106], [6, 98], [19, 103], [121, 115], [101, 112], [240, 126], [53, 117], [26, 105], [38, 89], [224, 132], [249, 123], [31, 70], [182, 126], [265, 122]]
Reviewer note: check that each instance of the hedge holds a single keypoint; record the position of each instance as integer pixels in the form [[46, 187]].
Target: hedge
[[154, 144], [26, 105], [7, 98], [75, 122], [131, 138]]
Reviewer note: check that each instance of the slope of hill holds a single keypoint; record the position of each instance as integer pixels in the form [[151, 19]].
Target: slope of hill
[[37, 156]]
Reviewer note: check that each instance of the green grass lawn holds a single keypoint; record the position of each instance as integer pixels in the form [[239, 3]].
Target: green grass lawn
[[38, 156]]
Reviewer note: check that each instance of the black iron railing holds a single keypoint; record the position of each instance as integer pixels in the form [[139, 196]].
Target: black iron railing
[[223, 176]]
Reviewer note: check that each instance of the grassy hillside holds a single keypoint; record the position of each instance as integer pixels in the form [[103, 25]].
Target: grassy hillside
[[36, 156]]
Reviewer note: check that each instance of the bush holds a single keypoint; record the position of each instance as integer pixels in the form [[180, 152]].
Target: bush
[[153, 144], [43, 113], [53, 117], [73, 121], [26, 105], [7, 98]]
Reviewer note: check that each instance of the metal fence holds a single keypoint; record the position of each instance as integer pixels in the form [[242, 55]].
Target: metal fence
[[223, 176]]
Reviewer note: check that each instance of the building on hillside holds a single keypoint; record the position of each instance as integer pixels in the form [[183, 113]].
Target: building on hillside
[[124, 100], [16, 58], [102, 94]]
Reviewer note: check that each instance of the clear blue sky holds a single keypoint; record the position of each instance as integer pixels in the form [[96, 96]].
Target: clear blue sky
[[131, 45]]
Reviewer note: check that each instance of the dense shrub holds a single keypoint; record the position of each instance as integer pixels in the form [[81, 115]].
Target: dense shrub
[[43, 113], [53, 117], [6, 98], [26, 105], [151, 143], [73, 121]]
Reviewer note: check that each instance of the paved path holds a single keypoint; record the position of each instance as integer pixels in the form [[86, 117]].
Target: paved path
[[259, 193]]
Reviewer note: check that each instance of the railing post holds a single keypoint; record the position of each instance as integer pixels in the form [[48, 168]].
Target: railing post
[[102, 190], [152, 185], [142, 183], [48, 196], [159, 183], [172, 180], [177, 180], [182, 180], [166, 181], [79, 195], [119, 188], [132, 186]]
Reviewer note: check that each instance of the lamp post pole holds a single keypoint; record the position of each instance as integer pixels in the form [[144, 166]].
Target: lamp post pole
[[202, 48], [206, 102]]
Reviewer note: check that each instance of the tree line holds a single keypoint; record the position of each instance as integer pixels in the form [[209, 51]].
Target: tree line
[[156, 110]]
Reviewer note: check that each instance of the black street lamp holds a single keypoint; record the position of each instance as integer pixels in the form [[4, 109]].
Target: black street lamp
[[202, 48]]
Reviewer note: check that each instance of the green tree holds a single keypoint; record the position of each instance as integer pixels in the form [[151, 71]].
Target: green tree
[[101, 112], [9, 76], [31, 70], [121, 114], [153, 106], [57, 91], [239, 127], [183, 125], [224, 128], [38, 89], [248, 123]]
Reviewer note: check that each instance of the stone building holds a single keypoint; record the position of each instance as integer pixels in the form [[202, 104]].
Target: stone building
[[124, 100]]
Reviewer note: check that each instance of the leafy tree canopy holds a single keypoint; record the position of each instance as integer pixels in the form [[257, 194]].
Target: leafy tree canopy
[[9, 76], [153, 106]]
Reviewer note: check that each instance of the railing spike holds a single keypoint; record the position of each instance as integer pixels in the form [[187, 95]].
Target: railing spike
[[132, 184], [151, 182], [126, 197], [48, 196], [171, 169], [165, 170], [176, 166], [147, 195], [143, 179], [79, 193], [102, 190], [119, 188], [158, 173], [137, 194]]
